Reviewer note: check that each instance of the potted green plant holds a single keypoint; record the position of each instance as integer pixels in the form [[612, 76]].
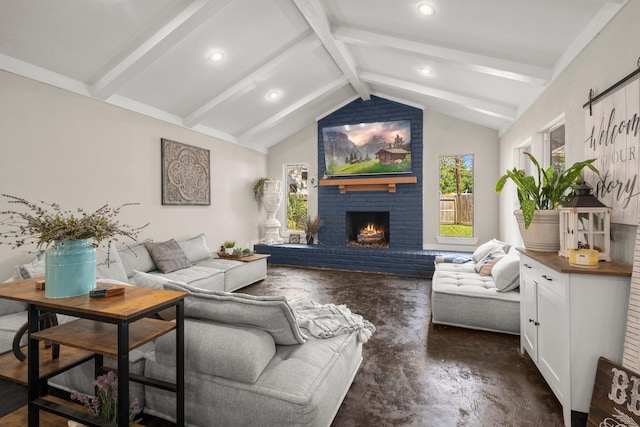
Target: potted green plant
[[229, 246], [311, 228], [539, 196]]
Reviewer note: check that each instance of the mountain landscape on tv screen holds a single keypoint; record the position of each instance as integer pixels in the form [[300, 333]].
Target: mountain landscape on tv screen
[[370, 148]]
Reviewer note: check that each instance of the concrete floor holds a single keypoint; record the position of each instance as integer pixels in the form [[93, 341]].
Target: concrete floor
[[415, 373]]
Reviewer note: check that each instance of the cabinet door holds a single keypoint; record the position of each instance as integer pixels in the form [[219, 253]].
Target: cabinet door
[[553, 339], [529, 316]]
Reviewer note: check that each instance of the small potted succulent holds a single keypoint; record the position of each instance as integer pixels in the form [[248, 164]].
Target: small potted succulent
[[229, 246]]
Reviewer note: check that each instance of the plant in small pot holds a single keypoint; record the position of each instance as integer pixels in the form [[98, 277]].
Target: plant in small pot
[[70, 262], [539, 196], [229, 246], [104, 404], [311, 228]]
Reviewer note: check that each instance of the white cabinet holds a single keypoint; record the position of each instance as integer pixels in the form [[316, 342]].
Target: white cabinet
[[569, 317]]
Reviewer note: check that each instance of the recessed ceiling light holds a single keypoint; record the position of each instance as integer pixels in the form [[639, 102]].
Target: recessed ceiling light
[[426, 71], [273, 95], [426, 9], [216, 55]]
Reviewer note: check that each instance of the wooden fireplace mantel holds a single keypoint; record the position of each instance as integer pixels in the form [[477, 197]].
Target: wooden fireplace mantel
[[370, 184]]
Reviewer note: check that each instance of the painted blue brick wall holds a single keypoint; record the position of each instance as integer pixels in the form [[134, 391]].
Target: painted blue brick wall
[[404, 206]]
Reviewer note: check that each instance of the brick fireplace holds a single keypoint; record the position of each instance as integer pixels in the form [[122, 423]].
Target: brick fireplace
[[396, 206], [404, 206]]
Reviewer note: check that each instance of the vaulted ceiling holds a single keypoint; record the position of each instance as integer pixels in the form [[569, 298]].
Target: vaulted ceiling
[[286, 63]]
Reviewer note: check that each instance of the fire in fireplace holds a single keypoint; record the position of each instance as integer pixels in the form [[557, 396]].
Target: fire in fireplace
[[368, 229]]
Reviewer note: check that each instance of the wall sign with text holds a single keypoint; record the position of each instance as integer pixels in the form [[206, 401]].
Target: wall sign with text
[[612, 136]]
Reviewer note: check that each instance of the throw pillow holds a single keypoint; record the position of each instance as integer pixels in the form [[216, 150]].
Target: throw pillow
[[485, 265], [484, 249], [195, 248], [109, 265], [136, 257], [33, 269], [271, 314], [229, 351], [506, 273], [168, 256]]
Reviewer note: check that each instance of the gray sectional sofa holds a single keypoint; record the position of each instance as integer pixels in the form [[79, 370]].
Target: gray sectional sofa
[[247, 362], [479, 293]]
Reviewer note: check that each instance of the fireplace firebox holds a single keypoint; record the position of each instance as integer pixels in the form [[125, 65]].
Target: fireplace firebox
[[367, 229]]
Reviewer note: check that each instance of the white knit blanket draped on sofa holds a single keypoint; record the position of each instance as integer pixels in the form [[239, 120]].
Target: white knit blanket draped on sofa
[[329, 320]]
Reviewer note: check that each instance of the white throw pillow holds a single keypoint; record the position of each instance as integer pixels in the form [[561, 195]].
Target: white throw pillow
[[506, 273], [486, 248]]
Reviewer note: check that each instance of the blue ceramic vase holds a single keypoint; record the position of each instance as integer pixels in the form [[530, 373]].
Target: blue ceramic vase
[[70, 269]]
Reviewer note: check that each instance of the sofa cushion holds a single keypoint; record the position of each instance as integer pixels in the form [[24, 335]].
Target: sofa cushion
[[195, 248], [506, 273], [8, 306], [484, 249], [270, 313], [109, 265], [235, 352], [485, 265], [136, 257], [167, 256]]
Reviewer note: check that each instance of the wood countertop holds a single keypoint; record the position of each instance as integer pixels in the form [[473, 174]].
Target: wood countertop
[[561, 265]]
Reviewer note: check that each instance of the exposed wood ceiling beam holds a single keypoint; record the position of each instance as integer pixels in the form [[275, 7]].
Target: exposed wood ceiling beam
[[247, 83], [470, 61], [271, 121], [316, 17], [493, 109], [168, 36]]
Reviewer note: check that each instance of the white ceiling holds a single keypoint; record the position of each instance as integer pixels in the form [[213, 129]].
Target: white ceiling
[[490, 58]]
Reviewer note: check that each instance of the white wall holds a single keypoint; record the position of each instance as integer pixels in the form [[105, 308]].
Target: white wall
[[61, 147], [447, 136], [443, 135], [612, 55], [301, 147]]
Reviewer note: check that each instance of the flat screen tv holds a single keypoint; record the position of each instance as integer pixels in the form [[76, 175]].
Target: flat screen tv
[[368, 148]]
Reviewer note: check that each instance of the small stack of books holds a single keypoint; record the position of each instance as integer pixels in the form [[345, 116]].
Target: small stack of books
[[104, 291]]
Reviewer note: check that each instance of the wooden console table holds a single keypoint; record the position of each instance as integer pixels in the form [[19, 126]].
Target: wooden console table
[[106, 327]]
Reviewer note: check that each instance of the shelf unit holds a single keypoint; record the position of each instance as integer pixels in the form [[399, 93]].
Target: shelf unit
[[106, 327]]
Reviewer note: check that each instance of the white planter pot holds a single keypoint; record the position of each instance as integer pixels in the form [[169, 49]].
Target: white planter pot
[[543, 234], [228, 251]]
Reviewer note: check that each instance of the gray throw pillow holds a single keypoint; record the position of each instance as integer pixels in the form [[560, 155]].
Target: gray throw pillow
[[168, 256], [506, 273], [195, 248], [271, 314]]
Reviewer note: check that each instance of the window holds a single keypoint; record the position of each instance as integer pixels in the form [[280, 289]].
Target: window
[[296, 179], [456, 196], [556, 148]]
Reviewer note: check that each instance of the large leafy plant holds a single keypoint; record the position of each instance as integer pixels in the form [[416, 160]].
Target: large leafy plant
[[548, 191]]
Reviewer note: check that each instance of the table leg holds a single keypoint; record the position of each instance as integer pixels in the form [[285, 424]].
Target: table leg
[[33, 370], [123, 374], [180, 363]]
